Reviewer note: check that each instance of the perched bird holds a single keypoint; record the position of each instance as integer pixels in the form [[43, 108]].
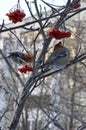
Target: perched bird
[[20, 58], [59, 58]]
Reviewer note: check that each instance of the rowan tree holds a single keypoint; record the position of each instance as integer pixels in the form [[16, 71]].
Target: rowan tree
[[62, 104]]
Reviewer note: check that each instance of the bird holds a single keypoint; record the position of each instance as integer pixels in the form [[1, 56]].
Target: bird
[[20, 58], [59, 58]]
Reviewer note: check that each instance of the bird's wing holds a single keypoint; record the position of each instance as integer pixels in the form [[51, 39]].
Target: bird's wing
[[11, 54], [59, 54], [62, 52]]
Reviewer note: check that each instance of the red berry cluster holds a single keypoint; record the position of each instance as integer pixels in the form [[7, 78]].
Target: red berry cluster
[[58, 34], [28, 57], [25, 69], [16, 16], [76, 6]]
